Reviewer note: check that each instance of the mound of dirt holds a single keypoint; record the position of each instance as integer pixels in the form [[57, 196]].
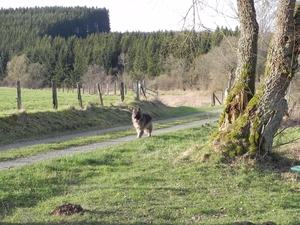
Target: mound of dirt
[[67, 209]]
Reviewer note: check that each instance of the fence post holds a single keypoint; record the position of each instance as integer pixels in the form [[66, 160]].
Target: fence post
[[138, 90], [115, 88], [122, 91], [217, 99], [213, 102], [143, 89], [19, 102], [99, 93], [144, 86], [79, 95], [54, 95], [214, 98]]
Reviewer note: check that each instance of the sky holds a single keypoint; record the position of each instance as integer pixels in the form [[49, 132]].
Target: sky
[[149, 15]]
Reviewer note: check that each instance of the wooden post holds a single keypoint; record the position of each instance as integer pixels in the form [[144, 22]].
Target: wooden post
[[144, 86], [115, 88], [19, 102], [122, 91], [79, 95], [216, 98], [144, 91], [213, 102], [138, 90], [213, 99], [54, 95], [99, 93]]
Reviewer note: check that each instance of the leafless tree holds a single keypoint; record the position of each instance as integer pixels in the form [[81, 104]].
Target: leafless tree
[[95, 74], [266, 14], [250, 126], [121, 66], [222, 62], [214, 11], [30, 75]]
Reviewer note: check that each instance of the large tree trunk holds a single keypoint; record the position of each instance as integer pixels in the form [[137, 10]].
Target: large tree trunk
[[279, 72], [254, 129], [244, 86]]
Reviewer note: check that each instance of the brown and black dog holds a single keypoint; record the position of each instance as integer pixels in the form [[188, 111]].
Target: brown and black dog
[[142, 123]]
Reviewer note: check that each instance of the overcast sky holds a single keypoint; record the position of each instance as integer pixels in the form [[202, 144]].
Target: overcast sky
[[147, 15]]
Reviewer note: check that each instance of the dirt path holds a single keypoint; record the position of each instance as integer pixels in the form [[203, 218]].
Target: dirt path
[[73, 150]]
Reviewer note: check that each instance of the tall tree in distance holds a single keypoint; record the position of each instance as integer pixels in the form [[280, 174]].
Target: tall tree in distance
[[153, 58]]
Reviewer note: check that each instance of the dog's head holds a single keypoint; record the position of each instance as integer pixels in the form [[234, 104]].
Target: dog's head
[[136, 114]]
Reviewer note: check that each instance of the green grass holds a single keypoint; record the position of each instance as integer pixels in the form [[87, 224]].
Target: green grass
[[165, 179], [157, 180], [81, 141], [41, 100], [39, 120]]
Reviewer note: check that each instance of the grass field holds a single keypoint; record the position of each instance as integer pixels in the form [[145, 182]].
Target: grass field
[[159, 180], [167, 179], [41, 100], [39, 120]]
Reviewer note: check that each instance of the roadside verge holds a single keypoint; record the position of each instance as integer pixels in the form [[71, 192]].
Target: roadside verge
[[73, 150]]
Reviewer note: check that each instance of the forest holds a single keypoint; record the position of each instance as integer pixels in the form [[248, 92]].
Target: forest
[[74, 44]]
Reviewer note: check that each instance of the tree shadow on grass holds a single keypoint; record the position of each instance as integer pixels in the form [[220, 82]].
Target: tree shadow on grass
[[58, 177]]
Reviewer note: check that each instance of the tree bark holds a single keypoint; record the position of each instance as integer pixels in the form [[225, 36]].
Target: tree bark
[[253, 131], [279, 72], [244, 85]]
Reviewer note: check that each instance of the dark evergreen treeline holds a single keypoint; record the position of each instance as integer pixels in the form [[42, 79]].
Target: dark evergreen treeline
[[23, 24], [65, 42]]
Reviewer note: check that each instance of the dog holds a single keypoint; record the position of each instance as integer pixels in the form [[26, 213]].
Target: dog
[[142, 123]]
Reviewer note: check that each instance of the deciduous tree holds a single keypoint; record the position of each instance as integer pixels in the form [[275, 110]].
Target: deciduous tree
[[250, 121]]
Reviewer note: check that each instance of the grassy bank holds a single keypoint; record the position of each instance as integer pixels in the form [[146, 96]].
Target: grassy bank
[[159, 180], [36, 149], [38, 120]]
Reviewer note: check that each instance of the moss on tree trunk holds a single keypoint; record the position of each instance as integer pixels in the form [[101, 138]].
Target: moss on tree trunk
[[249, 127], [244, 85]]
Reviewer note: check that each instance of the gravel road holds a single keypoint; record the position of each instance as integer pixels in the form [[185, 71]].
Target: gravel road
[[73, 150]]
